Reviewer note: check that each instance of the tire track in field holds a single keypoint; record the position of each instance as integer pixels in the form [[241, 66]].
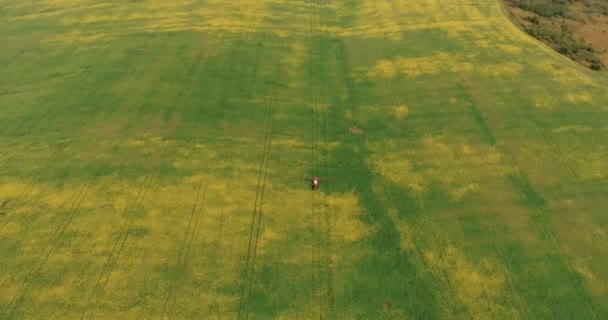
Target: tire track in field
[[256, 217], [522, 306], [47, 251], [48, 75], [124, 232], [386, 297], [326, 225], [314, 165], [171, 298], [34, 124], [120, 242], [248, 277], [554, 242], [590, 307], [72, 90], [587, 305], [95, 106], [323, 224], [168, 308], [41, 260], [75, 88], [57, 233], [398, 100], [131, 63], [184, 252], [10, 60], [248, 34], [252, 19], [260, 212], [522, 310], [558, 155], [29, 187]]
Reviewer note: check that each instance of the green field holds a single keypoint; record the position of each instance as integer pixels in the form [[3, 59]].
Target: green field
[[154, 155]]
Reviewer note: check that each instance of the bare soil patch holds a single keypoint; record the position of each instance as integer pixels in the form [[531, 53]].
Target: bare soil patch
[[355, 130]]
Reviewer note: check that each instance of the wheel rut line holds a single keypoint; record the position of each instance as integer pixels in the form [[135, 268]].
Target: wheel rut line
[[47, 251], [559, 250], [123, 236], [522, 308], [314, 158], [56, 234], [248, 273], [312, 85], [72, 90], [557, 153], [60, 229], [547, 229], [326, 229], [171, 297], [248, 34], [199, 201], [256, 217], [252, 19], [63, 145], [510, 276], [182, 260], [12, 59], [118, 246], [442, 277], [467, 78], [259, 223]]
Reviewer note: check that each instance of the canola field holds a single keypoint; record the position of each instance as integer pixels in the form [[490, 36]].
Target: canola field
[[155, 157]]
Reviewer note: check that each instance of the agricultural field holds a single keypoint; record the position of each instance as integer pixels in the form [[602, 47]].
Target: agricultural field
[[154, 158]]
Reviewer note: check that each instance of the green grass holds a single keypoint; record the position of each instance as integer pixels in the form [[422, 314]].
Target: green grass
[[153, 157]]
